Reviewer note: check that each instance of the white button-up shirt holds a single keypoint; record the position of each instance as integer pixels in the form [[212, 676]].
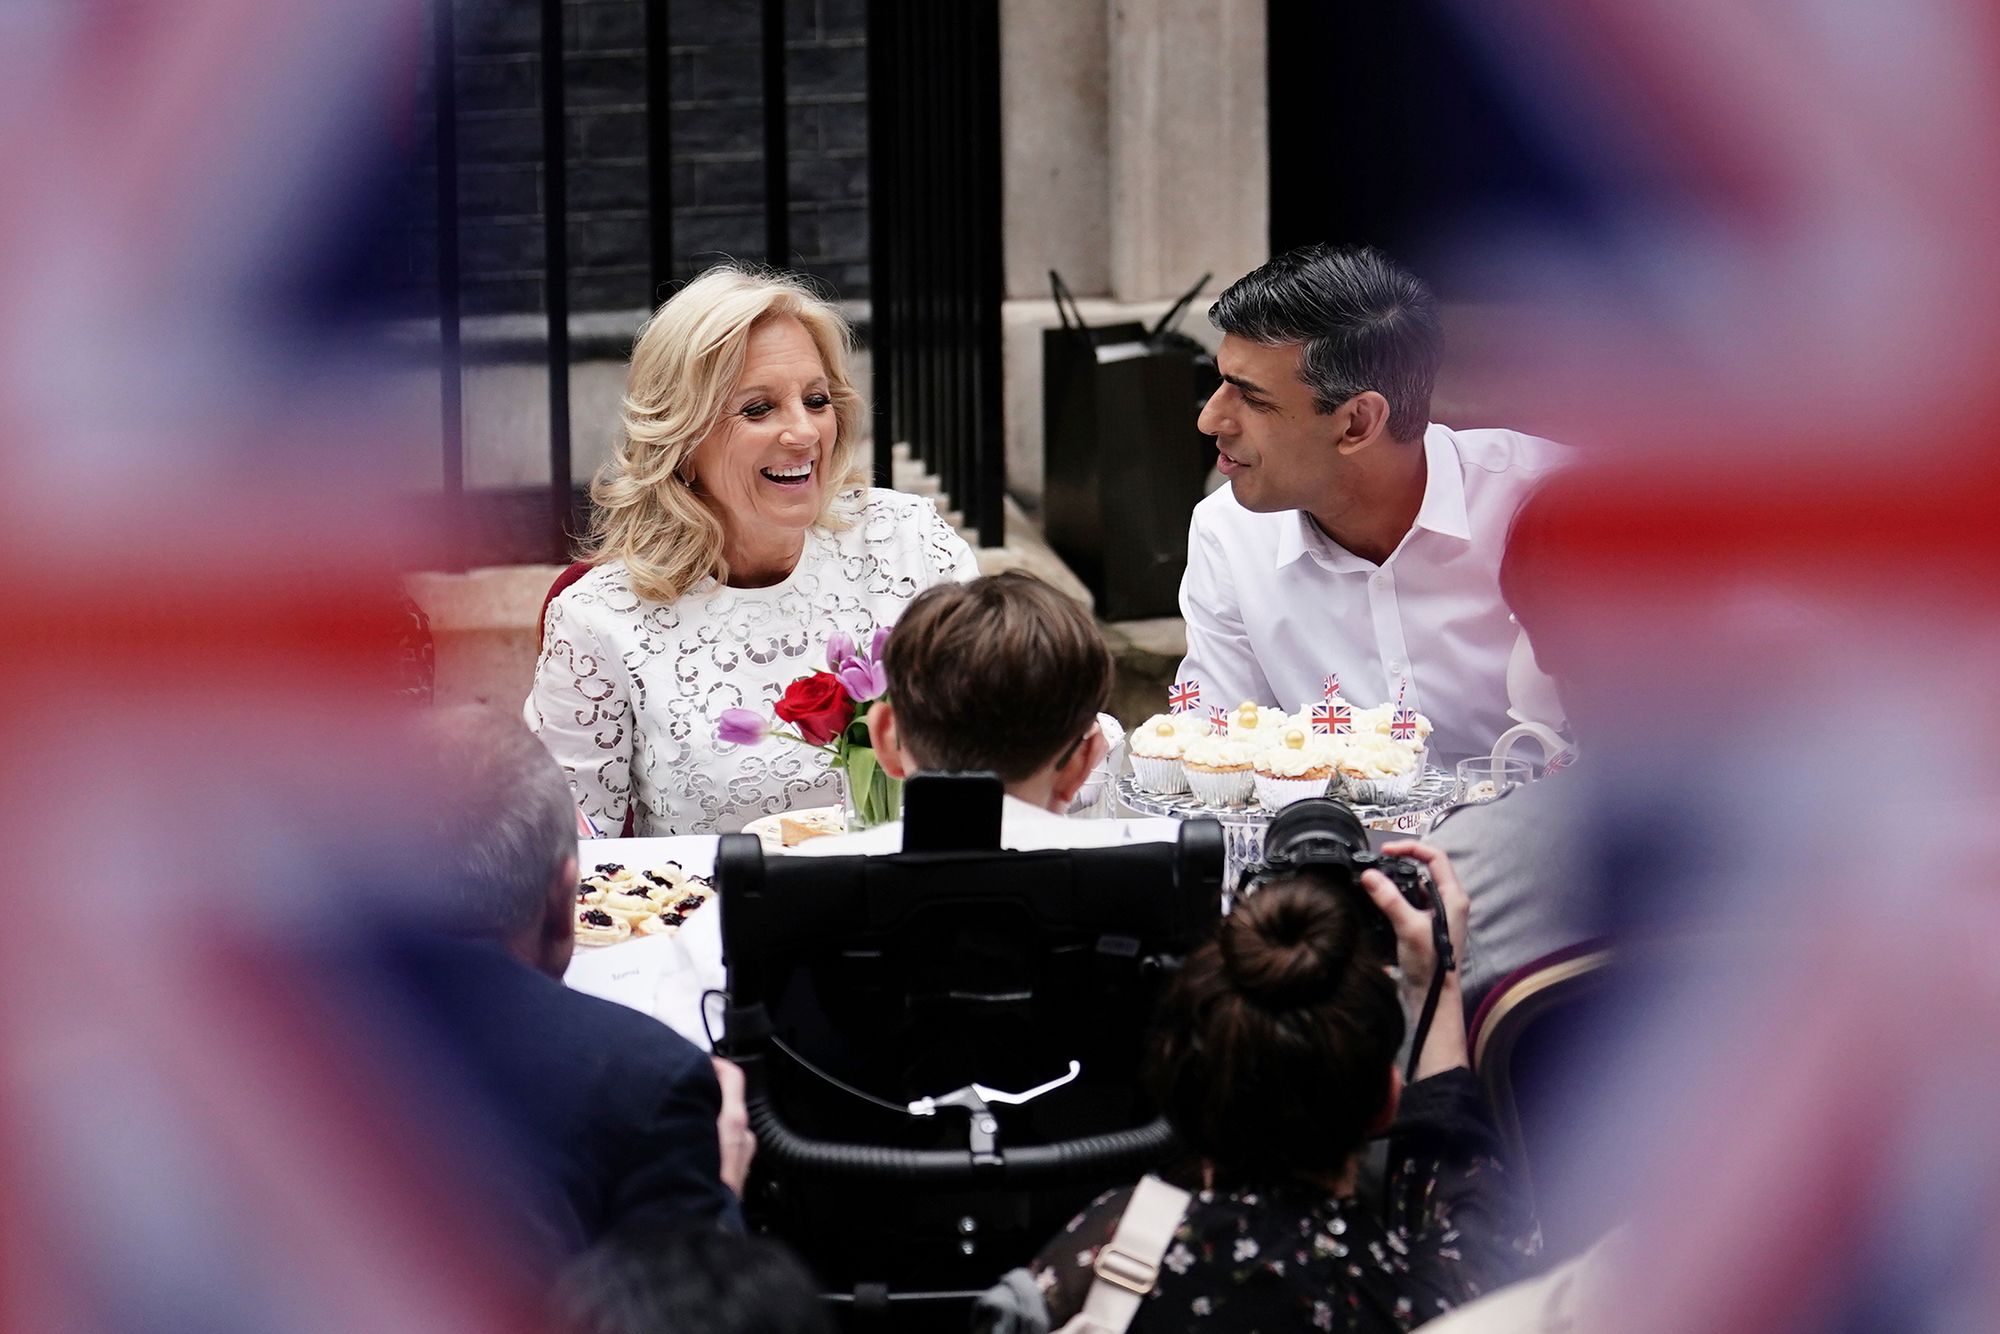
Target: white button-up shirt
[[1273, 606]]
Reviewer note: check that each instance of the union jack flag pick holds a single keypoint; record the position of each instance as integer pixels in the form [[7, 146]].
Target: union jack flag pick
[[1218, 717], [1330, 719], [1331, 686], [1402, 722], [1560, 762], [1182, 696]]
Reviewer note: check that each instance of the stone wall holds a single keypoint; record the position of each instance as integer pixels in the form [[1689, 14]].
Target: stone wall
[[717, 128]]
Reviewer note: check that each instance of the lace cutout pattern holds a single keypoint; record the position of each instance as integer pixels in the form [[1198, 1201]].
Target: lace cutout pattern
[[627, 692]]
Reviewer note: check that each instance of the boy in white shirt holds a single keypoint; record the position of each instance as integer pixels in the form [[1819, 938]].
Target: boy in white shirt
[[1003, 674]]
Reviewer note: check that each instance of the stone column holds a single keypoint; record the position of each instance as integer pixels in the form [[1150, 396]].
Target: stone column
[[1190, 157], [1135, 159]]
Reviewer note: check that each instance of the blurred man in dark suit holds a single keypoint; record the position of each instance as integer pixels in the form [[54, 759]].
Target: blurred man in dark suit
[[613, 1118]]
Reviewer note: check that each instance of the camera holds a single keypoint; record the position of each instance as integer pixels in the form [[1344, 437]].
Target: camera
[[1321, 838]]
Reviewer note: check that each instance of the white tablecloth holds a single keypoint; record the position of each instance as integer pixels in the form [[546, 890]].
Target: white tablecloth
[[664, 976]]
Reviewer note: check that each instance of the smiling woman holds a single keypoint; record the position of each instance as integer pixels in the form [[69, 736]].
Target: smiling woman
[[732, 537]]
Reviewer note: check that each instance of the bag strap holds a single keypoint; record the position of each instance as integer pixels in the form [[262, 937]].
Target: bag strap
[[1066, 308], [1128, 1265]]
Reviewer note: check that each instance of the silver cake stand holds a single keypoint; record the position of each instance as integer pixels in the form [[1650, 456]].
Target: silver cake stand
[[1243, 826]]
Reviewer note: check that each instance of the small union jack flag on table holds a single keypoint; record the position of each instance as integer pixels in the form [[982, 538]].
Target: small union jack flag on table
[[1182, 696], [1330, 719]]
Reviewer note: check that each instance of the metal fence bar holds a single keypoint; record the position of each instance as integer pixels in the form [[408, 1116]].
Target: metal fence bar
[[935, 245], [555, 264], [986, 510], [883, 334], [777, 158], [451, 372], [659, 152]]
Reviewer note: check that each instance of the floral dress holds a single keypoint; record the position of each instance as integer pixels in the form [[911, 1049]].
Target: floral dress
[[628, 692], [1290, 1256]]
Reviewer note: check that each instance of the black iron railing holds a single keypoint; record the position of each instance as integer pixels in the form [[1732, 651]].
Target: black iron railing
[[935, 247], [934, 256]]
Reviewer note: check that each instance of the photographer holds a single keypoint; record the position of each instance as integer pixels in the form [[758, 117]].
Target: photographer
[[1275, 1061]]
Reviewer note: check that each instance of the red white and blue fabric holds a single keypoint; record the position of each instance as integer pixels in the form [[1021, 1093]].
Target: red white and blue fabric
[[1330, 719], [1182, 696]]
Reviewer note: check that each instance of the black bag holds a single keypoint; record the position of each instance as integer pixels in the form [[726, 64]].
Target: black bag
[[1124, 464]]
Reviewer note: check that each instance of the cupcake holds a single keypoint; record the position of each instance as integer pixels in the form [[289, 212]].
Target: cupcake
[[594, 926], [1155, 748], [1218, 770], [1376, 720], [1260, 725], [1377, 771], [1293, 770]]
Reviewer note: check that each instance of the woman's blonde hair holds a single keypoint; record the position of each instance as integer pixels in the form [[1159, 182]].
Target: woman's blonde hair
[[684, 365]]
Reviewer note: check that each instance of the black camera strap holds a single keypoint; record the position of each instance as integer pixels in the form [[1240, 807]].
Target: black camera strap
[[1446, 962]]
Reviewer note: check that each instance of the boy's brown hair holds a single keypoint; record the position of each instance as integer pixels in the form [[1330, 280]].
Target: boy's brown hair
[[1002, 673]]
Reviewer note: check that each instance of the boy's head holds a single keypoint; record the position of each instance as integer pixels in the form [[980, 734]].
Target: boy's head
[[1003, 673]]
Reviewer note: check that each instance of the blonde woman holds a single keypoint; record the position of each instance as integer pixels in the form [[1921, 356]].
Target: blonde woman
[[734, 533]]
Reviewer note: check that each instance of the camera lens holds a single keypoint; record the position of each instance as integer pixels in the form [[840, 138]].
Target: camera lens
[[1314, 820]]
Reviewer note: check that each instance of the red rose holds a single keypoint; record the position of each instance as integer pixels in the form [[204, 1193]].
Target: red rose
[[818, 706]]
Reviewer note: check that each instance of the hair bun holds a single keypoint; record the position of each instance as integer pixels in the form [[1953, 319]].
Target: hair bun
[[1286, 945]]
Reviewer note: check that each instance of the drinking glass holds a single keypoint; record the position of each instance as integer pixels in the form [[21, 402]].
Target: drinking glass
[[1486, 778]]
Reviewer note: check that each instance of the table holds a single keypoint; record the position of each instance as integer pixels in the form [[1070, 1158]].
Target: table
[[663, 976], [1243, 826]]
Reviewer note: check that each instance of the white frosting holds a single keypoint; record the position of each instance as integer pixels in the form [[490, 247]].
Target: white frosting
[[1217, 752], [1268, 719], [1313, 760], [1377, 720], [1147, 740], [1372, 755]]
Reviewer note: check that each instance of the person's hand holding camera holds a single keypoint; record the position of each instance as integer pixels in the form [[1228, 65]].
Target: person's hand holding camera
[[1416, 955]]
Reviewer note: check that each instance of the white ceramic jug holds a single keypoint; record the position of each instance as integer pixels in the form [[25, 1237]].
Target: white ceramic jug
[[1533, 704]]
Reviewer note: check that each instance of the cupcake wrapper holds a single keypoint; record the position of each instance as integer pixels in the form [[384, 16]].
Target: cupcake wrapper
[[1273, 793], [1226, 788], [1380, 791], [1158, 775]]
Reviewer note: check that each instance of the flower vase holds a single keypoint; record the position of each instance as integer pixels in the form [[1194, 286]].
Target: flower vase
[[869, 794]]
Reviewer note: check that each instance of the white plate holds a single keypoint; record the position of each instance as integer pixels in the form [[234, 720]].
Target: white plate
[[765, 827]]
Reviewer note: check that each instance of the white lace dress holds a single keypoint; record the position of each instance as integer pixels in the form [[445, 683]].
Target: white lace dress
[[627, 691]]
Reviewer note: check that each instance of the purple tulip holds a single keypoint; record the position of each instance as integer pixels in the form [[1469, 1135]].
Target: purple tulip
[[742, 726], [838, 650], [863, 680], [875, 644]]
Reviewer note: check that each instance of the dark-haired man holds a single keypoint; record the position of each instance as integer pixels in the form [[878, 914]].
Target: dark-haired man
[[1004, 674], [1356, 537]]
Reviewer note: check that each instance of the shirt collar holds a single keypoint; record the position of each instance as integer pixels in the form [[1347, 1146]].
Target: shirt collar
[[1442, 511]]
